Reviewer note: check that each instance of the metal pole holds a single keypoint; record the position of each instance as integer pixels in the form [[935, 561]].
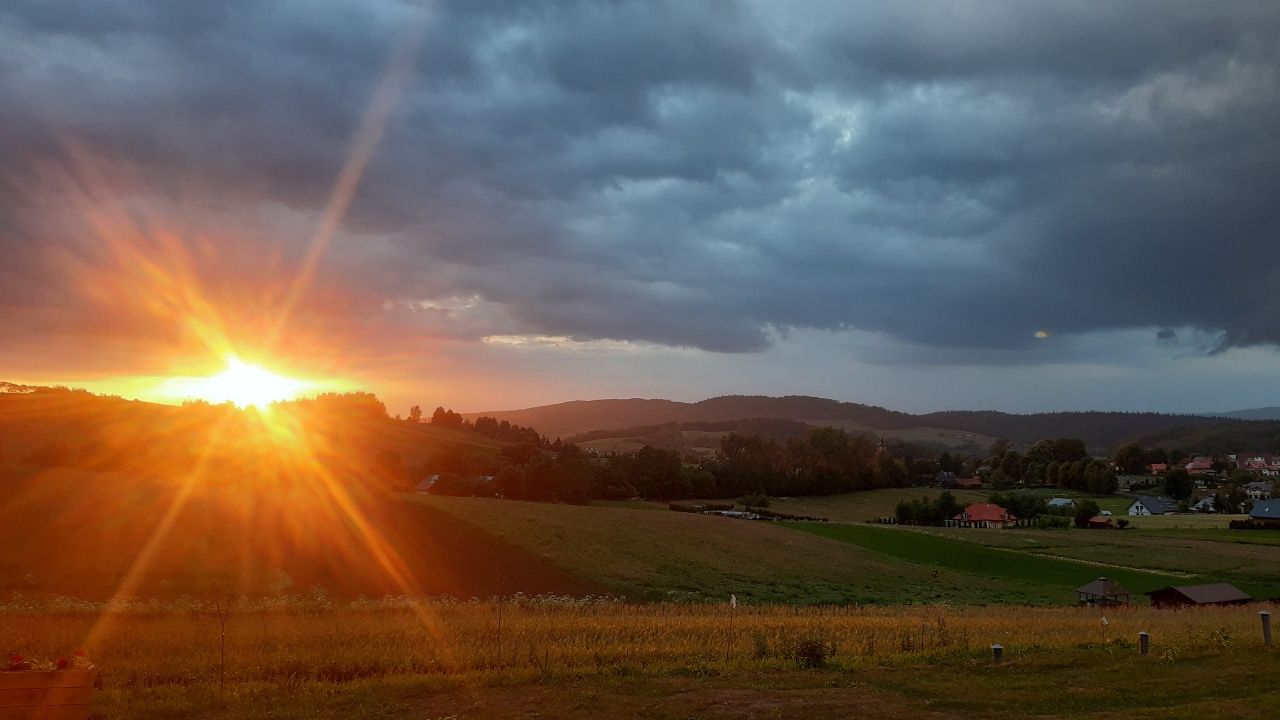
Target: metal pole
[[1266, 626], [997, 653], [1144, 642]]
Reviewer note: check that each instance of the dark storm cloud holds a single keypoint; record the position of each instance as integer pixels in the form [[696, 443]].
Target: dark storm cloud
[[711, 174]]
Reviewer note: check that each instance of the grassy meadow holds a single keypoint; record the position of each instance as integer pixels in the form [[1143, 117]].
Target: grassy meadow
[[305, 657]]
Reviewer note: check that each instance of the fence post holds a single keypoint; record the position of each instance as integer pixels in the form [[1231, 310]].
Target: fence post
[[1266, 626], [1144, 642], [997, 653]]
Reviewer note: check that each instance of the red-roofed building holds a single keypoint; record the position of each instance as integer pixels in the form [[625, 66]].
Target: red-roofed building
[[1100, 522], [1200, 465], [986, 515], [968, 483], [1158, 468]]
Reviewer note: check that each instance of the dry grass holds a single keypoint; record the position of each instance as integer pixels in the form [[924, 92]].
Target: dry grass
[[294, 642]]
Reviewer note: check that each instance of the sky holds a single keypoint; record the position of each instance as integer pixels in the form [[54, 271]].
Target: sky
[[1005, 204]]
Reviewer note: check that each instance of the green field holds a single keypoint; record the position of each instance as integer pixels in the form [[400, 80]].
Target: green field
[[1051, 563], [686, 557]]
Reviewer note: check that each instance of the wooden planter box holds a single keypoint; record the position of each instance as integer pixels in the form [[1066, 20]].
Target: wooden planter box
[[45, 695]]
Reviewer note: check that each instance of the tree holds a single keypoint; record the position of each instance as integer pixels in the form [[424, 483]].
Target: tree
[[998, 449], [1085, 510], [1178, 484], [1131, 459], [415, 414], [1012, 465]]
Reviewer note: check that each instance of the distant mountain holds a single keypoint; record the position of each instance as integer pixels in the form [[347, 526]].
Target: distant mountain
[[1262, 413], [1099, 430]]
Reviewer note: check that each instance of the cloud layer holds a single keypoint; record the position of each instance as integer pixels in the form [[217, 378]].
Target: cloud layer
[[716, 175]]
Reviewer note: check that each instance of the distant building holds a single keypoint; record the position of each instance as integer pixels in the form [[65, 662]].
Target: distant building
[[1060, 503], [968, 484], [424, 487], [1200, 465], [1260, 463], [986, 515], [1158, 468], [1155, 505], [1265, 510], [1206, 504], [1103, 592], [1101, 522], [945, 479], [1185, 595], [1259, 490]]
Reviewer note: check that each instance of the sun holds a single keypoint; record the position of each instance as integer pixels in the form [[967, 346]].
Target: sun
[[244, 385]]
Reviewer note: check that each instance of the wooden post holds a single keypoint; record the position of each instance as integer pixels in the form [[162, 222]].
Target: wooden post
[[1266, 626], [1144, 642], [997, 653]]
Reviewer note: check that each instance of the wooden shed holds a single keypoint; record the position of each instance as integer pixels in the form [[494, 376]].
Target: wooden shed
[[1212, 594], [1103, 592]]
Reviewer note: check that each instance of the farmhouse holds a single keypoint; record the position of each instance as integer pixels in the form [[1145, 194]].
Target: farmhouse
[[968, 483], [1158, 505], [1186, 595], [1101, 522], [1158, 468], [986, 515], [424, 487], [1206, 504], [1103, 592]]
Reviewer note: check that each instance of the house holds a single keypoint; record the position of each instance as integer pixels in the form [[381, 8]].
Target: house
[[1158, 468], [1156, 505], [1103, 592], [1206, 504], [1101, 522], [1259, 490], [1200, 595], [1200, 465], [424, 487], [945, 479], [986, 515], [968, 483], [1061, 503], [1265, 510], [1260, 463]]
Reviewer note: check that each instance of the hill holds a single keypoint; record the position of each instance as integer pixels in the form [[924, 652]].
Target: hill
[[1263, 413], [1099, 430]]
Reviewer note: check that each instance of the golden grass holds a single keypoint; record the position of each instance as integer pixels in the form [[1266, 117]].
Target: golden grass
[[298, 641]]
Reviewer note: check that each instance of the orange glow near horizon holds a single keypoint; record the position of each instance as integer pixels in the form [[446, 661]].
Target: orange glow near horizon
[[241, 384]]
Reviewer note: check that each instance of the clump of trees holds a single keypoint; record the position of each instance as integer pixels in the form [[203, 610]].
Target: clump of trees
[[927, 512], [487, 426]]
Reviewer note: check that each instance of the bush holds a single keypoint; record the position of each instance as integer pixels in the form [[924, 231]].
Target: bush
[[759, 500], [1052, 522], [812, 652]]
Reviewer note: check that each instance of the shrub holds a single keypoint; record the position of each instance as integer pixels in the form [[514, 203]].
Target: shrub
[[812, 652], [755, 500]]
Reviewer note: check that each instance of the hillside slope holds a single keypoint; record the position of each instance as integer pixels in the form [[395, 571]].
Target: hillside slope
[[80, 533]]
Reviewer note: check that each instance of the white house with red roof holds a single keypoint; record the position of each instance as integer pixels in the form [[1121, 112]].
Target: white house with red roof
[[986, 515]]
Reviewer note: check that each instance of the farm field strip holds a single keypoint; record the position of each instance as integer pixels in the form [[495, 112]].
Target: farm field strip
[[977, 559]]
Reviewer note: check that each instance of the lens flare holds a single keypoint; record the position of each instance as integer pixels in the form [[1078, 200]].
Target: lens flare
[[244, 385]]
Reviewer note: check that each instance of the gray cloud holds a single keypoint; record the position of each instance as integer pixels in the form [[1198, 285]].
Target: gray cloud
[[710, 175]]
